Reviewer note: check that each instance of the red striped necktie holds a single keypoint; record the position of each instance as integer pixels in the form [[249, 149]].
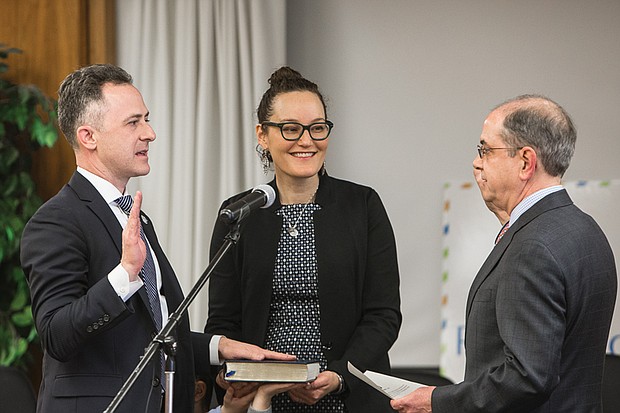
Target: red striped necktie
[[502, 232]]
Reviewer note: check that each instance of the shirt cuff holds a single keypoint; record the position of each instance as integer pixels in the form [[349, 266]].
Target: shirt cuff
[[214, 352], [119, 278], [253, 410]]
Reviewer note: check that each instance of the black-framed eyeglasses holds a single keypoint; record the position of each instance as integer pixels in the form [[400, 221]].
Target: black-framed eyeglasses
[[292, 131], [484, 150]]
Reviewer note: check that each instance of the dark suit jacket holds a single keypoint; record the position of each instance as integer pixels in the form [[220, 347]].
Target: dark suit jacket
[[357, 275], [91, 339], [538, 317]]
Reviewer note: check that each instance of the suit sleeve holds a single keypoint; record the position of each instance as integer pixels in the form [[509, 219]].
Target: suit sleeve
[[530, 310], [379, 320], [224, 289], [202, 363], [70, 304]]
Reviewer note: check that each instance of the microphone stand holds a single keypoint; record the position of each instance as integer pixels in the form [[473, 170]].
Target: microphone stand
[[165, 338], [171, 351]]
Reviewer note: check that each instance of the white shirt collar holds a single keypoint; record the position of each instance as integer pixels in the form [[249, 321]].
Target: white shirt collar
[[528, 202], [108, 191]]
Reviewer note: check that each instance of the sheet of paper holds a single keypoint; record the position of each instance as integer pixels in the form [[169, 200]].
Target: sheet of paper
[[393, 387]]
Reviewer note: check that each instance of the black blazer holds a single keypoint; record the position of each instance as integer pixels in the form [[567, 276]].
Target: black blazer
[[358, 282], [538, 317], [91, 339]]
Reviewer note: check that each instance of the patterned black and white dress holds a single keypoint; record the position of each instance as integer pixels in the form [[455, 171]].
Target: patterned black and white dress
[[294, 316]]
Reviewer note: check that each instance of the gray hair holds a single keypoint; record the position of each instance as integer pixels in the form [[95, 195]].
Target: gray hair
[[80, 97], [539, 122]]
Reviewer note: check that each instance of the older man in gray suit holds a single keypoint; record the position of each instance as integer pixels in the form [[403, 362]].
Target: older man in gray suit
[[539, 310]]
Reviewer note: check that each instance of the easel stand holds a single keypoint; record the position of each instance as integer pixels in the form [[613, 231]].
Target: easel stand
[[165, 338]]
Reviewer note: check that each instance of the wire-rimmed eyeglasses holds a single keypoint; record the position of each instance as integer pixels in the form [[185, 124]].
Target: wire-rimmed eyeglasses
[[292, 131], [484, 150]]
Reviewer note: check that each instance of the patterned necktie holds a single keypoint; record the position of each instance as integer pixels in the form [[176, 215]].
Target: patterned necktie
[[149, 277], [502, 232], [147, 273]]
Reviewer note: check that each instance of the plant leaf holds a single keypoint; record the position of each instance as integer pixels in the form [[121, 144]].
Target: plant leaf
[[27, 121], [20, 299], [22, 319]]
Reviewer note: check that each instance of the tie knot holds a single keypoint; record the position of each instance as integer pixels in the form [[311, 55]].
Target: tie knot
[[125, 203]]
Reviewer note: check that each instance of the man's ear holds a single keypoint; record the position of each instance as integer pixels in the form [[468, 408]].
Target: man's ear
[[528, 162], [200, 390], [86, 137]]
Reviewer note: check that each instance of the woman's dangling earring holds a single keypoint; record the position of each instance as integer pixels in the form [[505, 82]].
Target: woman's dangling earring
[[322, 171], [265, 158]]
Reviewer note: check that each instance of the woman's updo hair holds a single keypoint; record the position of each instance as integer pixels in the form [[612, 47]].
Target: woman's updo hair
[[285, 80]]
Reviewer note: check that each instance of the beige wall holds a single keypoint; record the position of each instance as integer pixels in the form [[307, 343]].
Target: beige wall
[[409, 83]]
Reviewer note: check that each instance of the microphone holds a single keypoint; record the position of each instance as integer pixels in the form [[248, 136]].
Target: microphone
[[261, 196]]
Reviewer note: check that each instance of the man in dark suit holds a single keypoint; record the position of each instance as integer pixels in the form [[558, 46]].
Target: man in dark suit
[[539, 310], [96, 304]]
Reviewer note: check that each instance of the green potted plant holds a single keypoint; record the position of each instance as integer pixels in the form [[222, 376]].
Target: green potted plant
[[27, 122]]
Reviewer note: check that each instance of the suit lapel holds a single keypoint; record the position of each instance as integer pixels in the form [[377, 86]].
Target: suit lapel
[[170, 284], [262, 236], [487, 267], [93, 200], [164, 268], [551, 201]]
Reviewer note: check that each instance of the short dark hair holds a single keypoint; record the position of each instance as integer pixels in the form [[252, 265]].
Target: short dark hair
[[206, 401], [79, 90]]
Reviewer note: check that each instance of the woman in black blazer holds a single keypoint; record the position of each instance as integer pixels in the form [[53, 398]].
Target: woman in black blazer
[[316, 273]]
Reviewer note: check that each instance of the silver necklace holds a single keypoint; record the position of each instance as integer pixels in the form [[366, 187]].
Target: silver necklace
[[292, 229]]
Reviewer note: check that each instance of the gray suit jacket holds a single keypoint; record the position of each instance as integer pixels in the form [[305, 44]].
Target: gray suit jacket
[[538, 317]]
